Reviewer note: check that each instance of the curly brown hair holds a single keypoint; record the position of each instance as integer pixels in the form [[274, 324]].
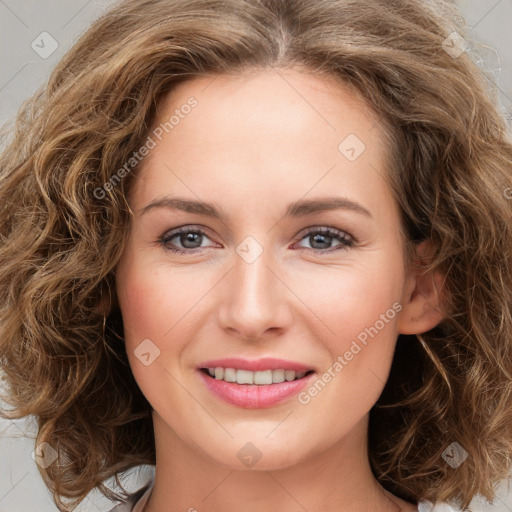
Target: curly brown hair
[[450, 167]]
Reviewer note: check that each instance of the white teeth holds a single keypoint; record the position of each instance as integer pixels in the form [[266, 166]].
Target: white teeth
[[289, 375], [278, 376], [230, 375], [263, 377], [260, 378], [244, 377]]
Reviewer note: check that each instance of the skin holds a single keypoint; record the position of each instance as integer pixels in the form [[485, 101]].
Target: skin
[[255, 143]]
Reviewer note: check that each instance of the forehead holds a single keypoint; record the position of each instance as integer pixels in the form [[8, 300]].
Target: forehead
[[278, 129], [274, 98]]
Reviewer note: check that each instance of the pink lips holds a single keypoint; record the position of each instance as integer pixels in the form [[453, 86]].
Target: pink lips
[[254, 396]]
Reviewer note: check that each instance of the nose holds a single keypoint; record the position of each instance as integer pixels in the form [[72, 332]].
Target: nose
[[254, 300]]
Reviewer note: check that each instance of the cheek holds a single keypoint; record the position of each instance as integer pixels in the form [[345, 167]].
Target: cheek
[[363, 313], [363, 295], [143, 295], [156, 304], [149, 312], [144, 305], [136, 300]]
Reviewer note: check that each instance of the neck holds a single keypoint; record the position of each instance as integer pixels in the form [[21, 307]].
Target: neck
[[335, 479]]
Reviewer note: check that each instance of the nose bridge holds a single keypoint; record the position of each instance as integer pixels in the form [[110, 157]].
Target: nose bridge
[[254, 300]]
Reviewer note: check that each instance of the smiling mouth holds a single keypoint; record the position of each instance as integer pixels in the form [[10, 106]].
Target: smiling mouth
[[260, 378]]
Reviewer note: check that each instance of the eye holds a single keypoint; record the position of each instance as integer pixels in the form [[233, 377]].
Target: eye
[[190, 240], [322, 238]]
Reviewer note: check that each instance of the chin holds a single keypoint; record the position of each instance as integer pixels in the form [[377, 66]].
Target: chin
[[258, 456]]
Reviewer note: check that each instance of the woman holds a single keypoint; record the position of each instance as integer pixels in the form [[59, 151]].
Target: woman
[[164, 297]]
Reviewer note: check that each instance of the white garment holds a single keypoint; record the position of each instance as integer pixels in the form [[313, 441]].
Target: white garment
[[138, 500], [427, 506]]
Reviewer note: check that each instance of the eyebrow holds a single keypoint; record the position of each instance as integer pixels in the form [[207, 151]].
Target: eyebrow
[[299, 208]]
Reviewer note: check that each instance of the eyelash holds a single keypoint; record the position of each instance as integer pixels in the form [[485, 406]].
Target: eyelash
[[346, 240]]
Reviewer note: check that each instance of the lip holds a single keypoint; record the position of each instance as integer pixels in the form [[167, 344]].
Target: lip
[[251, 396], [255, 365]]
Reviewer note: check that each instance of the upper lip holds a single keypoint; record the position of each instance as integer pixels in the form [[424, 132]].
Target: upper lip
[[255, 365]]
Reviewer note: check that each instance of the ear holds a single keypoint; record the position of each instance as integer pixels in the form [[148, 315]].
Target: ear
[[423, 292]]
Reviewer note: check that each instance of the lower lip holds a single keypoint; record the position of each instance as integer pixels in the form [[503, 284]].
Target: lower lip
[[254, 396]]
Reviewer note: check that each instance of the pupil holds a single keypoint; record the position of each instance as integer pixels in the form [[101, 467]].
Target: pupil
[[189, 238], [325, 237]]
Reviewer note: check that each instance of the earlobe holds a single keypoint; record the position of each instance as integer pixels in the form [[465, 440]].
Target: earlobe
[[423, 296]]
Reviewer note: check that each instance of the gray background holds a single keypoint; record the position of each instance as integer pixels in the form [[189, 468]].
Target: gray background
[[24, 66]]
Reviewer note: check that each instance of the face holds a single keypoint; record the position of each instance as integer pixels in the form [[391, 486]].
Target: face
[[276, 281]]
